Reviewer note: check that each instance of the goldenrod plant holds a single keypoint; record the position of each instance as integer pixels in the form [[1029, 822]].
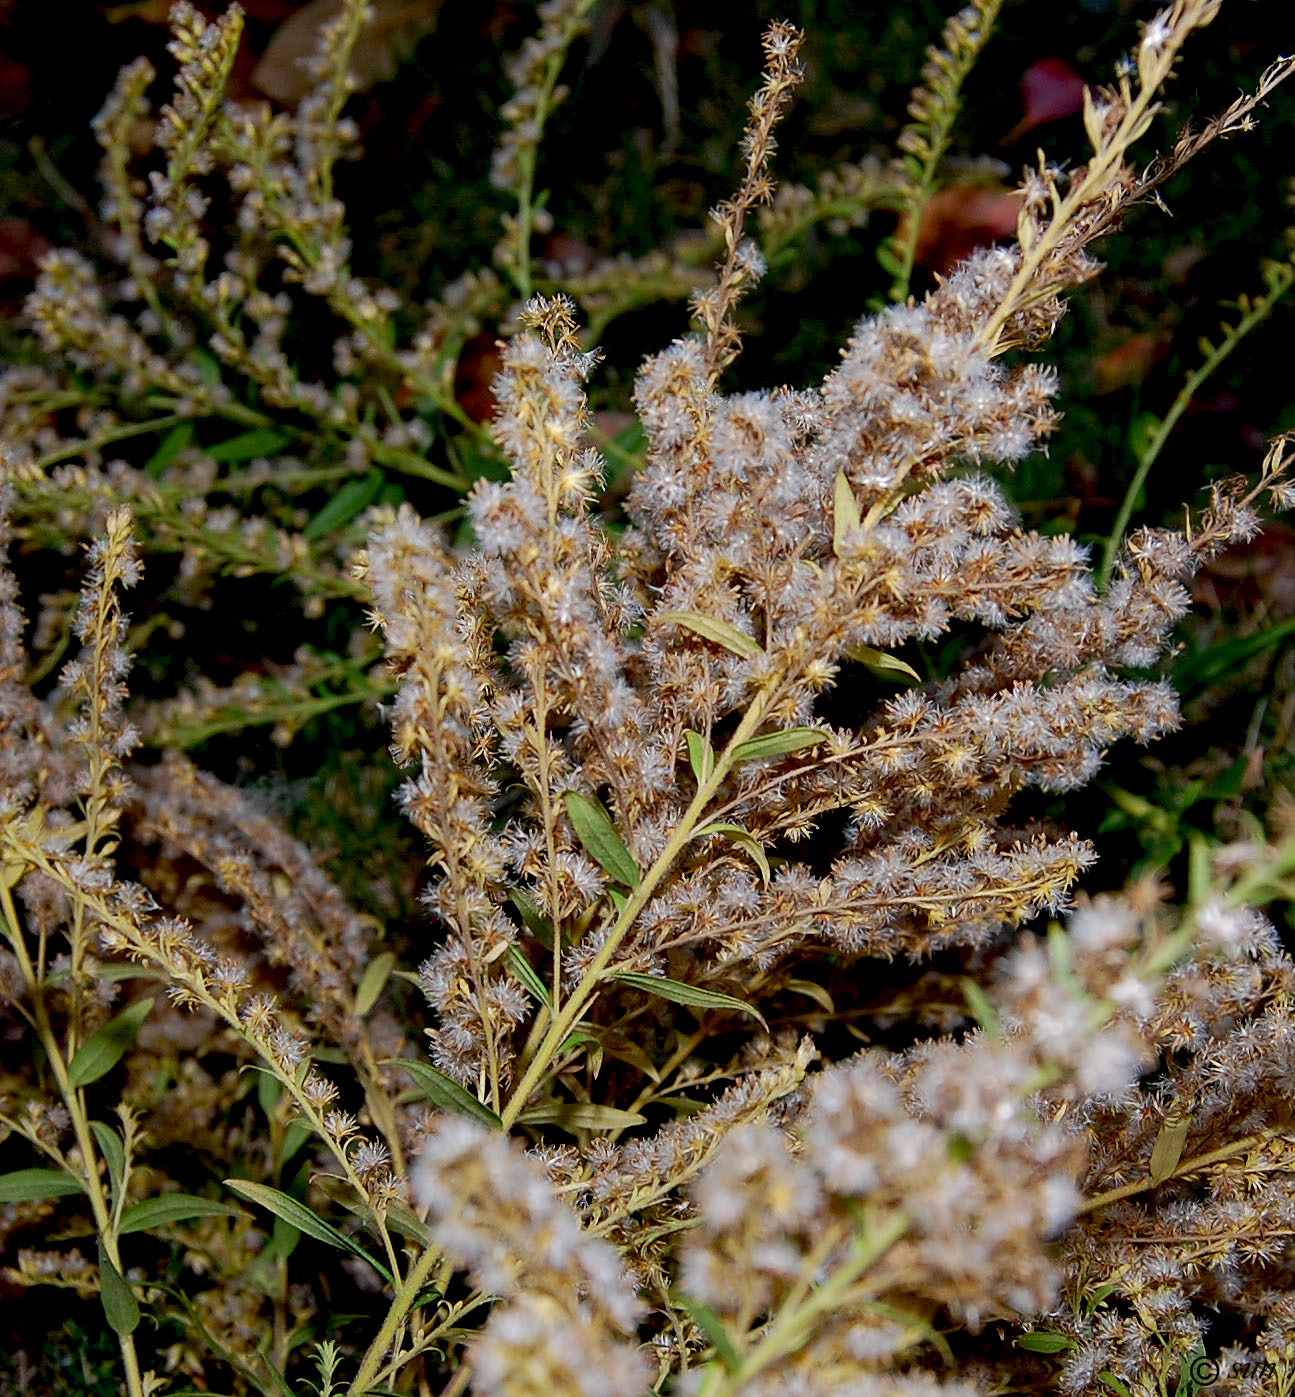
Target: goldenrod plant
[[754, 1034]]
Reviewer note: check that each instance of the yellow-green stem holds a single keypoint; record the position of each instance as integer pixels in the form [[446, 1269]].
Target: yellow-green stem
[[75, 1106], [396, 1314], [791, 1328], [569, 1015]]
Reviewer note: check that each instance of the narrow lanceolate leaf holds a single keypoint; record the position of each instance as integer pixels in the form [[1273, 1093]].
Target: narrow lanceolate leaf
[[297, 1215], [373, 982], [1046, 1341], [525, 972], [778, 744], [579, 1115], [701, 755], [713, 1327], [119, 1303], [811, 989], [246, 446], [1168, 1149], [346, 503], [694, 996], [102, 1051], [743, 837], [982, 1010], [293, 1212], [30, 1185], [400, 1219], [845, 511], [881, 664], [113, 1151], [533, 916], [172, 1207], [444, 1092], [711, 628], [594, 828]]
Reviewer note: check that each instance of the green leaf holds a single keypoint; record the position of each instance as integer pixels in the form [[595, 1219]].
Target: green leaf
[[101, 1052], [712, 1326], [269, 1090], [1217, 661], [526, 973], [579, 1115], [778, 744], [1059, 952], [845, 511], [619, 901], [622, 1046], [682, 1106], [1045, 1341], [710, 628], [172, 1207], [351, 500], [692, 995], [888, 260], [400, 1219], [294, 1137], [813, 990], [169, 448], [982, 1010], [1193, 1368], [745, 838], [208, 367], [1168, 1149], [30, 1185], [297, 1215], [114, 1153], [594, 828], [1115, 1385], [1200, 869], [881, 664], [533, 917], [119, 1303], [280, 1381], [445, 1092], [246, 446], [1093, 1298], [701, 756], [373, 981]]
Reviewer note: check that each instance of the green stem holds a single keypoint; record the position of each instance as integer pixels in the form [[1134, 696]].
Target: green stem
[[569, 1016], [180, 734], [791, 1329], [72, 1100], [938, 131], [1184, 1167], [529, 159], [1257, 312], [110, 435], [396, 1314]]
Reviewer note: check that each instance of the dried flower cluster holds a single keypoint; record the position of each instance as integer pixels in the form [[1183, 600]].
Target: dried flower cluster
[[597, 1126]]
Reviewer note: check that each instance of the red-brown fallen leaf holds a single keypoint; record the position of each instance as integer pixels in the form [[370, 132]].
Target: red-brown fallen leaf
[[1051, 90], [568, 255], [1247, 576], [145, 11], [1128, 363], [478, 365], [394, 31], [958, 221], [21, 248], [15, 86]]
